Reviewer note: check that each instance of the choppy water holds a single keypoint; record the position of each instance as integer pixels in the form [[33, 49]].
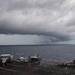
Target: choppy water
[[53, 52]]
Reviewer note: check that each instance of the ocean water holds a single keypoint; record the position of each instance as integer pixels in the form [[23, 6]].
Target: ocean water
[[52, 52]]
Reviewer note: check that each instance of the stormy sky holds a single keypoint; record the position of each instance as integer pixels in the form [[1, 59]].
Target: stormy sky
[[37, 22]]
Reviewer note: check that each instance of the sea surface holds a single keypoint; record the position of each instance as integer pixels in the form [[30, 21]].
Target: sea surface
[[52, 52]]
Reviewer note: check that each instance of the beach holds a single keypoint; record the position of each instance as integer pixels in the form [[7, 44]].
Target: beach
[[43, 68]]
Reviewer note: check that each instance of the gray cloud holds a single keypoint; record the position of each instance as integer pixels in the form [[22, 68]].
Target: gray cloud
[[25, 4], [52, 35], [52, 19]]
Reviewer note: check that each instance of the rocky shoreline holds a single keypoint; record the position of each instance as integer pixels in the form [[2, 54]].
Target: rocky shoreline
[[43, 68]]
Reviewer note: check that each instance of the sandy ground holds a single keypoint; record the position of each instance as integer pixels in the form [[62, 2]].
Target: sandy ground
[[44, 68]]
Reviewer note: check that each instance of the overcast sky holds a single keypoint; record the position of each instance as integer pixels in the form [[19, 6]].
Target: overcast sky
[[37, 22]]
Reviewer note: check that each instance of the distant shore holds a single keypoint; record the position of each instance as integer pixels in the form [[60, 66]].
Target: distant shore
[[39, 45]]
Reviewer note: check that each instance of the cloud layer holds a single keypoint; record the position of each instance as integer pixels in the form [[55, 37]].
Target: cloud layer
[[54, 20]]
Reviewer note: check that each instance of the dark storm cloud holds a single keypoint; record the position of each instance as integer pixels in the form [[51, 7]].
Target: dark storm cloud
[[32, 30], [49, 18]]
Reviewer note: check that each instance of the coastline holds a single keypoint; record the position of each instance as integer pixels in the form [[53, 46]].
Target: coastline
[[44, 68]]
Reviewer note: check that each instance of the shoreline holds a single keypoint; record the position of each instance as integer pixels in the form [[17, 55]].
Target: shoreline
[[44, 68]]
